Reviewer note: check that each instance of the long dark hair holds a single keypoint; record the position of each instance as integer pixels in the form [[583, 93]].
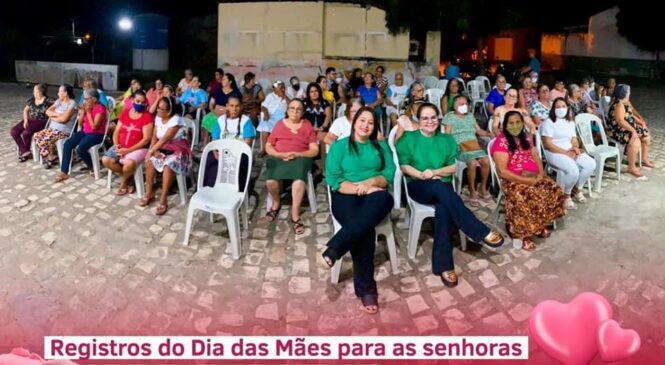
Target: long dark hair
[[171, 104], [523, 141], [317, 87], [569, 114], [232, 81], [459, 87], [69, 90], [373, 137]]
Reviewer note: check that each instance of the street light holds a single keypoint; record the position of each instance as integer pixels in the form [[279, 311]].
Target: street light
[[125, 24]]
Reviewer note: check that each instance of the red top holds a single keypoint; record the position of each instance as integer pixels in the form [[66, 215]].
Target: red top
[[284, 140], [131, 130], [520, 159], [87, 123]]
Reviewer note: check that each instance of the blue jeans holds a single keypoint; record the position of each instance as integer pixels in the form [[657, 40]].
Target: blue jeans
[[82, 142], [450, 211], [358, 216]]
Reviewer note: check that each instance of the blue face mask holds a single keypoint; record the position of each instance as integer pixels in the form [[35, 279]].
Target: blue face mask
[[138, 107]]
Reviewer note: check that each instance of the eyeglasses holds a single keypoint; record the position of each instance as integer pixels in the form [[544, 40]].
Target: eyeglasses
[[417, 90], [293, 108], [429, 119]]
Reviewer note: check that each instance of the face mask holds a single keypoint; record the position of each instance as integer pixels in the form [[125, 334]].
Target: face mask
[[338, 80], [534, 80], [138, 107], [463, 109], [515, 129], [561, 112], [592, 85], [295, 86]]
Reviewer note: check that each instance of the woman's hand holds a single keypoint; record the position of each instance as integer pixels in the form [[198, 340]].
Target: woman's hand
[[427, 175], [374, 189], [571, 153]]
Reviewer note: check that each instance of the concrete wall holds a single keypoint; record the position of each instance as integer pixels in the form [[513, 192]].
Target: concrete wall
[[56, 73], [277, 40], [602, 45]]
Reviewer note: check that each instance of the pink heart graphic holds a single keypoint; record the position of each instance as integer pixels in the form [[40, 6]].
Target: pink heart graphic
[[568, 332], [616, 343]]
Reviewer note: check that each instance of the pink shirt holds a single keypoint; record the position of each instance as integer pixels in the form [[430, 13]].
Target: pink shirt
[[283, 140], [519, 160], [554, 93], [87, 123]]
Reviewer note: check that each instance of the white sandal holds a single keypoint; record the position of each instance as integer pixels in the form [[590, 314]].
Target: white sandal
[[579, 196]]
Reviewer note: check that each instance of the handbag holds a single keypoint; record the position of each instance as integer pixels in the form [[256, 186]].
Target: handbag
[[470, 145]]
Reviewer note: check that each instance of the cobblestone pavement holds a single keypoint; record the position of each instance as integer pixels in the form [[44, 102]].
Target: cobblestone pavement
[[77, 259]]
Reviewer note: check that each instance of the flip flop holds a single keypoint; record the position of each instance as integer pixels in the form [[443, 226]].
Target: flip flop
[[62, 177], [370, 303], [146, 200], [121, 192], [161, 209], [445, 278]]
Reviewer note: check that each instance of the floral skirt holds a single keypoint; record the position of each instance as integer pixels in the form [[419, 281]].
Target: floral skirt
[[180, 163], [530, 209], [623, 135]]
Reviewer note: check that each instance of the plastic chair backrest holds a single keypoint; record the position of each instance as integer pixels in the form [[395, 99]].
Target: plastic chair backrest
[[391, 143], [191, 128], [111, 102], [341, 110], [430, 82], [462, 85], [492, 163], [434, 96], [266, 85], [228, 170], [442, 84], [474, 89], [583, 124], [485, 82]]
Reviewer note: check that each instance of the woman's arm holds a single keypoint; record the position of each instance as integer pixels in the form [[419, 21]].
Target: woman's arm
[[312, 152], [445, 171], [447, 127], [479, 131], [411, 171], [549, 145], [261, 96], [330, 138], [328, 117], [26, 110], [96, 121], [116, 135], [271, 151], [170, 133], [522, 98], [620, 118], [501, 161], [531, 126], [496, 121]]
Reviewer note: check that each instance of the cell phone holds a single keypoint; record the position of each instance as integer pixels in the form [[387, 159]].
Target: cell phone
[[166, 152]]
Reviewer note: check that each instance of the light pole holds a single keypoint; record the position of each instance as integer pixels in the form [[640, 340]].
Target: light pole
[[125, 24]]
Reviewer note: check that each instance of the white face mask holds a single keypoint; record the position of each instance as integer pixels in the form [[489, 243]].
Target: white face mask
[[463, 109], [534, 80], [338, 80], [561, 112]]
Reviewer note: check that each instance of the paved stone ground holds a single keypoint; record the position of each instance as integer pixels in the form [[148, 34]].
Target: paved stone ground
[[76, 259]]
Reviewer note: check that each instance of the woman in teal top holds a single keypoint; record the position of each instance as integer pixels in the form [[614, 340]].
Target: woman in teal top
[[358, 170], [461, 124], [427, 158]]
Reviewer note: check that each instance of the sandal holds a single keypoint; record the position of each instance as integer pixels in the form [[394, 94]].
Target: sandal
[[298, 226], [62, 177], [131, 189], [146, 200], [493, 239], [545, 233], [161, 209], [272, 214], [121, 191], [449, 278], [50, 163], [473, 202], [370, 303], [579, 196], [528, 245], [487, 197], [327, 258]]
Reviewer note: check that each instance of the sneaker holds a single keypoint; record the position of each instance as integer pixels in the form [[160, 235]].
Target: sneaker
[[569, 204], [579, 197]]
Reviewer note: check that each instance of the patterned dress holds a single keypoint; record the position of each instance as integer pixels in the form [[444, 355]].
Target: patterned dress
[[530, 96], [529, 208], [614, 129], [464, 129]]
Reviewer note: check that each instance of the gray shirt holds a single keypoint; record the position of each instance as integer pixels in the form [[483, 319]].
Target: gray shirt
[[62, 108]]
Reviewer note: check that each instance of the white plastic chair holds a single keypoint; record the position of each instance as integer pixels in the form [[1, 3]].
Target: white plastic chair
[[442, 84], [606, 141], [111, 102], [475, 88], [223, 198], [434, 96], [341, 110], [486, 85], [419, 212], [495, 175], [311, 195], [384, 228], [429, 82], [94, 150], [540, 150], [138, 180], [193, 128], [599, 152], [397, 180]]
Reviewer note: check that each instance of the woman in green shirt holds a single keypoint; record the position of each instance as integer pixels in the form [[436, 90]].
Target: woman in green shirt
[[427, 158], [461, 124], [358, 170]]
